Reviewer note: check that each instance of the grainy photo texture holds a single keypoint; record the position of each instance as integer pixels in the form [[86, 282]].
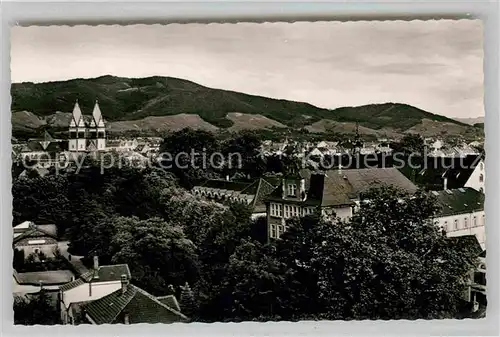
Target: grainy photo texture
[[248, 172]]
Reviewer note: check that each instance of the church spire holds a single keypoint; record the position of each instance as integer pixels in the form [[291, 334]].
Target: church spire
[[77, 118], [97, 119]]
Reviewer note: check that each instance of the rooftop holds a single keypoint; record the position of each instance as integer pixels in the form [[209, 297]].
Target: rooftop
[[459, 201], [104, 274], [140, 306]]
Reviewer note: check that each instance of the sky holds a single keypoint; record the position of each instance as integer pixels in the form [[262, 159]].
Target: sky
[[434, 65]]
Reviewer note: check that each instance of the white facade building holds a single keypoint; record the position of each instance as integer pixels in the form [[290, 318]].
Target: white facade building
[[97, 283], [462, 213]]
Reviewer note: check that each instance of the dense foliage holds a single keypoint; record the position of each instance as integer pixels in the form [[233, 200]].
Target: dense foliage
[[37, 309], [390, 262]]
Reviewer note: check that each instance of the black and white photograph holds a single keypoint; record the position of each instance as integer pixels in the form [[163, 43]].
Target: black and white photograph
[[234, 172]]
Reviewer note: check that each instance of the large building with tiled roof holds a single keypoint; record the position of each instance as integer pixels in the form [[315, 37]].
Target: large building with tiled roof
[[333, 193], [461, 212], [251, 193], [97, 283], [87, 136]]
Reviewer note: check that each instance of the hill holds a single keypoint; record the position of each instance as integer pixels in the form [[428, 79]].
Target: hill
[[470, 121], [132, 104]]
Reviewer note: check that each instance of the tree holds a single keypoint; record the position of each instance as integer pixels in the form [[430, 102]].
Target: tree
[[410, 143], [157, 252], [188, 302], [242, 154], [37, 310], [390, 262], [252, 286]]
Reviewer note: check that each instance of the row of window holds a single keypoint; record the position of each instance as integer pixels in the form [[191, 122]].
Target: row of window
[[81, 134], [457, 224], [277, 210]]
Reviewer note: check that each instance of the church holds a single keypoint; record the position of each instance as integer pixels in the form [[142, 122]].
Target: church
[[87, 136]]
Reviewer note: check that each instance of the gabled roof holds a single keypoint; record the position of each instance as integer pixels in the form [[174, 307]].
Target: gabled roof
[[430, 172], [170, 301], [264, 188], [140, 306], [104, 274], [108, 273], [35, 232], [339, 187], [459, 201]]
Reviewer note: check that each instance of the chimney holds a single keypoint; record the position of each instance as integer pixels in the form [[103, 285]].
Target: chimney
[[126, 319], [445, 183], [96, 262], [124, 283]]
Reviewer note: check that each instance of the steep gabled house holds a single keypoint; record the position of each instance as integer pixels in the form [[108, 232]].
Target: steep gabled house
[[331, 193], [446, 173], [95, 284], [130, 305]]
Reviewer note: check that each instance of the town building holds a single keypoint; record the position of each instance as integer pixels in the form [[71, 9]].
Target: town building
[[95, 284], [35, 239], [461, 213], [334, 193], [128, 305], [87, 136], [446, 173], [251, 193]]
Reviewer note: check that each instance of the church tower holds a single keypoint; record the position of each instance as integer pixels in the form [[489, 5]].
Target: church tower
[[77, 134], [97, 129]]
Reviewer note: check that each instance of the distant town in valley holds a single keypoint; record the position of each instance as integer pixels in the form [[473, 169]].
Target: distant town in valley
[[61, 207], [270, 172]]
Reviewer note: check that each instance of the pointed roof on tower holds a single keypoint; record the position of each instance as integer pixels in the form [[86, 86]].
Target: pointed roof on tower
[[97, 119], [77, 118]]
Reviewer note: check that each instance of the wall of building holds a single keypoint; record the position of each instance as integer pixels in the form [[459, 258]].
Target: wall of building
[[82, 293], [466, 224], [475, 180]]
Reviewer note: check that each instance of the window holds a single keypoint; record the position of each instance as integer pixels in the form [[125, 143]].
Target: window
[[36, 250], [445, 225], [100, 134], [281, 230], [466, 223], [292, 189], [481, 178], [481, 190], [81, 134], [273, 231], [276, 210], [287, 211], [474, 221], [455, 224], [481, 166]]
